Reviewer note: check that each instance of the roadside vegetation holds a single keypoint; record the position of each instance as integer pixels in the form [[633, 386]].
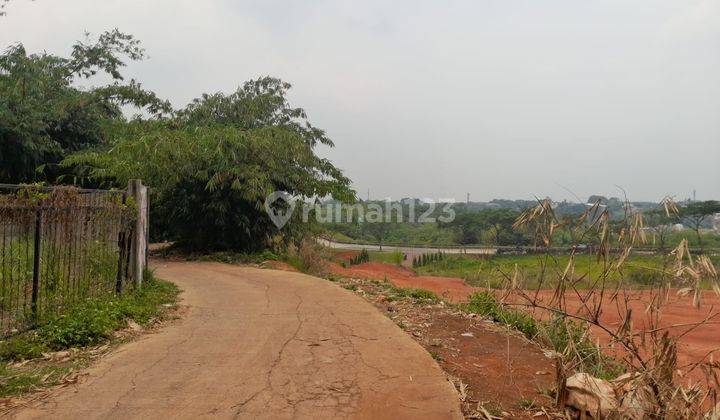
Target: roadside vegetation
[[635, 356], [58, 345], [493, 271]]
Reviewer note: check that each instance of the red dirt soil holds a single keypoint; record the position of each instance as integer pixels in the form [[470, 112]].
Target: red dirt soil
[[694, 346]]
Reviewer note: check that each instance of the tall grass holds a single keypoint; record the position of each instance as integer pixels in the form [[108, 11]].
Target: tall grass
[[647, 349]]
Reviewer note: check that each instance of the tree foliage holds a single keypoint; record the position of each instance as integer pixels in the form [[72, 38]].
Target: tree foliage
[[210, 171], [258, 103], [696, 213], [44, 115], [495, 224]]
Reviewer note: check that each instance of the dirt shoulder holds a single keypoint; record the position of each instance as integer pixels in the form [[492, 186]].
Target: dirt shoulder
[[495, 369], [697, 343], [261, 344]]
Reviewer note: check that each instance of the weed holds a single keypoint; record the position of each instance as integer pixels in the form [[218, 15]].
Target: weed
[[90, 322], [229, 257], [526, 403], [17, 381], [362, 257], [418, 295], [486, 304]]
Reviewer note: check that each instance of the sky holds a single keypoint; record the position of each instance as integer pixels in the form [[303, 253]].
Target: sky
[[437, 99]]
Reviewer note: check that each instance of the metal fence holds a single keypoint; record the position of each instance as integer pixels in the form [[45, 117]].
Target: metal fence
[[59, 246]]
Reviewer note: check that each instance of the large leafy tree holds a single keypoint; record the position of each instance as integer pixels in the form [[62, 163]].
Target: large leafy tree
[[44, 115], [211, 168], [258, 103]]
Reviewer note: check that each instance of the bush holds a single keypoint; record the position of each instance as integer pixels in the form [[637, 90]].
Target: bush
[[362, 257], [87, 324], [486, 304]]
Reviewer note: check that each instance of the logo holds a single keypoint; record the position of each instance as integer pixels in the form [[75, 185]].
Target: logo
[[279, 219]]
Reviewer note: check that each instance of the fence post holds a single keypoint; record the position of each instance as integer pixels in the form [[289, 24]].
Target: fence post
[[139, 239], [121, 254], [36, 264]]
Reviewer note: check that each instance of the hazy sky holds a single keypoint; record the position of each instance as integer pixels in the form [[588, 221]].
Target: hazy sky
[[510, 99]]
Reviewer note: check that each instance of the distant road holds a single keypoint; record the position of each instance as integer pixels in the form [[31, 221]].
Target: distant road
[[409, 249]]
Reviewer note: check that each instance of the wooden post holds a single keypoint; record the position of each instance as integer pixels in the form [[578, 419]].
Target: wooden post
[[36, 265], [138, 192]]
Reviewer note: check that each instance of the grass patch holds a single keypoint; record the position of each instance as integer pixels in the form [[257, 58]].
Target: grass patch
[[84, 324], [640, 271], [559, 334], [418, 296], [240, 258], [18, 381], [90, 322], [395, 257]]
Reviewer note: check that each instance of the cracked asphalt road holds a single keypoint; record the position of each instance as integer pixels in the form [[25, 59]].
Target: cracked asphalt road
[[261, 344]]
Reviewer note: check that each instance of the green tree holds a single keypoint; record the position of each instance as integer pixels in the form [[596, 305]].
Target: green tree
[[210, 172], [696, 213], [499, 223], [258, 103], [467, 228], [43, 114]]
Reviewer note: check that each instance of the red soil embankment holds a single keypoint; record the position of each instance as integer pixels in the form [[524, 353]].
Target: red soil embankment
[[450, 288], [677, 314]]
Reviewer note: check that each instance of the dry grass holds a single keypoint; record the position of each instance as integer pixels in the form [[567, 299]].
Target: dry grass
[[648, 354]]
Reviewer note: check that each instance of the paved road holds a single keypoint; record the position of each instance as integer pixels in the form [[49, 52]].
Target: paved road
[[409, 249], [261, 344]]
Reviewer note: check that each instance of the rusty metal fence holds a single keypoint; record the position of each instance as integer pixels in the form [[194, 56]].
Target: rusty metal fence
[[59, 246]]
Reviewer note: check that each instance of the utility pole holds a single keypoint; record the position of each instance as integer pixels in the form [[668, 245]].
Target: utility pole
[[468, 198]]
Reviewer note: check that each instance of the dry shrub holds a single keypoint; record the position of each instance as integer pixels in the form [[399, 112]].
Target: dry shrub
[[644, 348], [308, 256]]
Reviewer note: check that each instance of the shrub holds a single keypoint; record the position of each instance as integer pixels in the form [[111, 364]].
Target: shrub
[[362, 257]]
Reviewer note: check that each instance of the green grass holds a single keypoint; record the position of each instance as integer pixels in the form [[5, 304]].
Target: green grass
[[559, 334], [90, 322], [18, 381], [420, 296], [229, 257], [386, 257], [639, 271], [84, 324]]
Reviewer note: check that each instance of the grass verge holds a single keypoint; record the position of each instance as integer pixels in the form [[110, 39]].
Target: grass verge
[[27, 360], [560, 334]]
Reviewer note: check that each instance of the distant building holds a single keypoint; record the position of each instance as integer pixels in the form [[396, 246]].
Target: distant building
[[678, 227]]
